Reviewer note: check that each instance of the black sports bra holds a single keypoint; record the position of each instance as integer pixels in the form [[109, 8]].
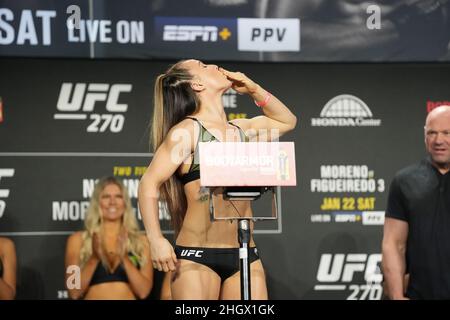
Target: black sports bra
[[204, 136], [102, 275]]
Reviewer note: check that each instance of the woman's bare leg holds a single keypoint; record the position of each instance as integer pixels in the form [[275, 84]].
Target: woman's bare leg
[[194, 281], [231, 288]]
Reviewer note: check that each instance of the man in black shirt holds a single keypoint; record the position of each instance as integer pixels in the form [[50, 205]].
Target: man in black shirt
[[417, 227]]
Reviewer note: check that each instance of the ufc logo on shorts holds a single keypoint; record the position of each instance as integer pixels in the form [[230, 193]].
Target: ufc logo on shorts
[[76, 97], [194, 253]]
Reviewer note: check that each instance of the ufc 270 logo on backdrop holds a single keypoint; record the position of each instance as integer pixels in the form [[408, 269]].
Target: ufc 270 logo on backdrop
[[4, 193], [337, 272], [98, 102]]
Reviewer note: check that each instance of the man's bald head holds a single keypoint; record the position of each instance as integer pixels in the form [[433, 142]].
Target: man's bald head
[[441, 111], [437, 137]]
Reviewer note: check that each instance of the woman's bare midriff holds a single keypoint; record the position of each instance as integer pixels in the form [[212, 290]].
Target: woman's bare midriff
[[110, 291], [199, 231]]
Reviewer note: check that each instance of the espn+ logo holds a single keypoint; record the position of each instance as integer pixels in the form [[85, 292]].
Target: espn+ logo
[[337, 272], [193, 33], [78, 101]]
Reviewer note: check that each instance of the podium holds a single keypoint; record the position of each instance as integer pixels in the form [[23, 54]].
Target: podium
[[242, 172]]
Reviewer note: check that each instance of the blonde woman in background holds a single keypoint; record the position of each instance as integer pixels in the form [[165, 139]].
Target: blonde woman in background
[[111, 253], [7, 269]]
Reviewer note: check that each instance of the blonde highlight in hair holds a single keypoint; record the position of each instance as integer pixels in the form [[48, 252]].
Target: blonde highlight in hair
[[94, 220], [174, 99]]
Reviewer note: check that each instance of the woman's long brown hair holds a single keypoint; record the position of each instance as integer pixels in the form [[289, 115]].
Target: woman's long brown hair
[[174, 100]]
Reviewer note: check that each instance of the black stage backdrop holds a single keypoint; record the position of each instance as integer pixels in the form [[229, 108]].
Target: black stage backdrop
[[65, 123]]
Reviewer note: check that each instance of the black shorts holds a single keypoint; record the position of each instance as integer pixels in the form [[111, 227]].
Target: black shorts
[[223, 261]]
